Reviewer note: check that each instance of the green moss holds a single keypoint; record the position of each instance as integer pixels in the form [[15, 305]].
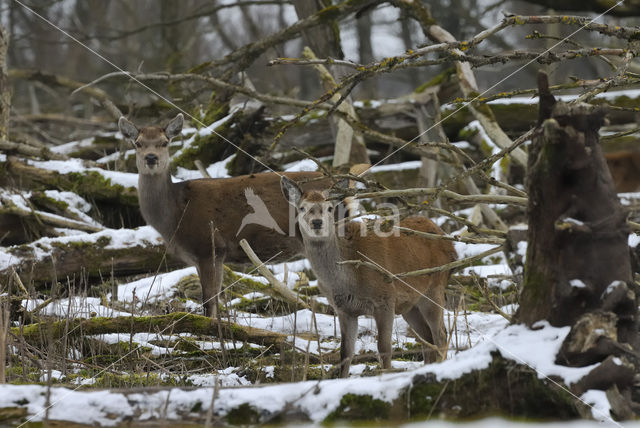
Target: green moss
[[360, 407], [208, 148], [242, 284], [623, 143], [94, 185], [41, 200], [115, 380], [245, 414], [187, 344], [12, 413], [516, 117], [438, 79], [18, 375], [503, 388]]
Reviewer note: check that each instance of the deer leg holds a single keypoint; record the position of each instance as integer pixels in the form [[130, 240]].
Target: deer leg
[[384, 321], [419, 325], [218, 276], [348, 334], [431, 310], [206, 274], [211, 281]]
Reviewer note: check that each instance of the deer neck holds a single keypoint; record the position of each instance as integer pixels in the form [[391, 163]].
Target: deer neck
[[158, 200], [324, 256]]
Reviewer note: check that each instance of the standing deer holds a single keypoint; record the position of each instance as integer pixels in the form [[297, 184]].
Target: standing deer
[[355, 291], [187, 214]]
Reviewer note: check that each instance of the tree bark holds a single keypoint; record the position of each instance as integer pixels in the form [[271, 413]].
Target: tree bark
[[5, 90], [578, 269]]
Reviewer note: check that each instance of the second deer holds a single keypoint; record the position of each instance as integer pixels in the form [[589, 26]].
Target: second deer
[[355, 291]]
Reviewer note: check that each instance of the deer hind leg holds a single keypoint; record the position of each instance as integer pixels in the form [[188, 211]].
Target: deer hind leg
[[384, 320], [419, 325], [348, 334], [431, 310]]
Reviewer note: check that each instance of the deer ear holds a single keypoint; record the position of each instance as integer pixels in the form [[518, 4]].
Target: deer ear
[[174, 127], [128, 129], [291, 191]]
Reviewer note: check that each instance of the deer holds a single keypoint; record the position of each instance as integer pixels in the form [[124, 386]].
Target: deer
[[201, 220], [367, 290]]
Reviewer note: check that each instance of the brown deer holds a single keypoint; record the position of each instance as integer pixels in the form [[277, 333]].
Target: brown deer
[[355, 291], [187, 214]]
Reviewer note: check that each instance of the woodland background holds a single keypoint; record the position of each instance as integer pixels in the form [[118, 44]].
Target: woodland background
[[441, 96]]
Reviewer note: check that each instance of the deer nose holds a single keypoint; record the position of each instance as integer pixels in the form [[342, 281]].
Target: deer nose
[[316, 224], [151, 159]]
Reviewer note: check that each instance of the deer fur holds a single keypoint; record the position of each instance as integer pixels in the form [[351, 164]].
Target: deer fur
[[188, 213], [355, 291]]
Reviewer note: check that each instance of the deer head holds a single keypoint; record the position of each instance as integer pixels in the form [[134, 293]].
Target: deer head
[[315, 211], [151, 144]]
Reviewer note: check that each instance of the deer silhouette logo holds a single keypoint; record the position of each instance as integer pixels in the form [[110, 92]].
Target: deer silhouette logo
[[260, 214]]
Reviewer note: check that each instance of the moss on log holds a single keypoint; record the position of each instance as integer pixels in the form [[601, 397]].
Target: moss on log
[[91, 184], [178, 322]]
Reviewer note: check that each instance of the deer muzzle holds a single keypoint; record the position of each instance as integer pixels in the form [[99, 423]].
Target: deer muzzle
[[151, 159]]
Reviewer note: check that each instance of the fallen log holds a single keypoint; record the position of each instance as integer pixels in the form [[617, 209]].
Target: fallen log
[[177, 322], [91, 256]]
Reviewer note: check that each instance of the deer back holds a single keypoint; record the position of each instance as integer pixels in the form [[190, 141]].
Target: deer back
[[222, 206]]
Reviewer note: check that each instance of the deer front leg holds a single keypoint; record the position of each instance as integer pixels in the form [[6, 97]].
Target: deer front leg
[[211, 274], [348, 334], [384, 322]]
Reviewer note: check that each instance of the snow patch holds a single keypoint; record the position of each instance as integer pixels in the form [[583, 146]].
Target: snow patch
[[303, 165]]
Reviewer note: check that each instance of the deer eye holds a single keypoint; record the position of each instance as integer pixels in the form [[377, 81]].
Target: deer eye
[[301, 209], [137, 144], [330, 209], [165, 143]]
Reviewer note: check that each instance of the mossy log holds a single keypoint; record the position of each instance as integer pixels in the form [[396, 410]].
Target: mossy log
[[116, 205], [514, 118], [87, 259], [90, 184], [504, 388], [174, 323]]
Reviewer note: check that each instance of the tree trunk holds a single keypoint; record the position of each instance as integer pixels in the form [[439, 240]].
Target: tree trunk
[[578, 269], [5, 93]]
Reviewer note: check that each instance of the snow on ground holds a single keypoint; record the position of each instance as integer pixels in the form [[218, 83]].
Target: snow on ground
[[74, 307], [154, 288], [316, 399]]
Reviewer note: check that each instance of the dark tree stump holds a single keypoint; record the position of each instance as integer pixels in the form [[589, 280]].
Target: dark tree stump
[[578, 270]]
